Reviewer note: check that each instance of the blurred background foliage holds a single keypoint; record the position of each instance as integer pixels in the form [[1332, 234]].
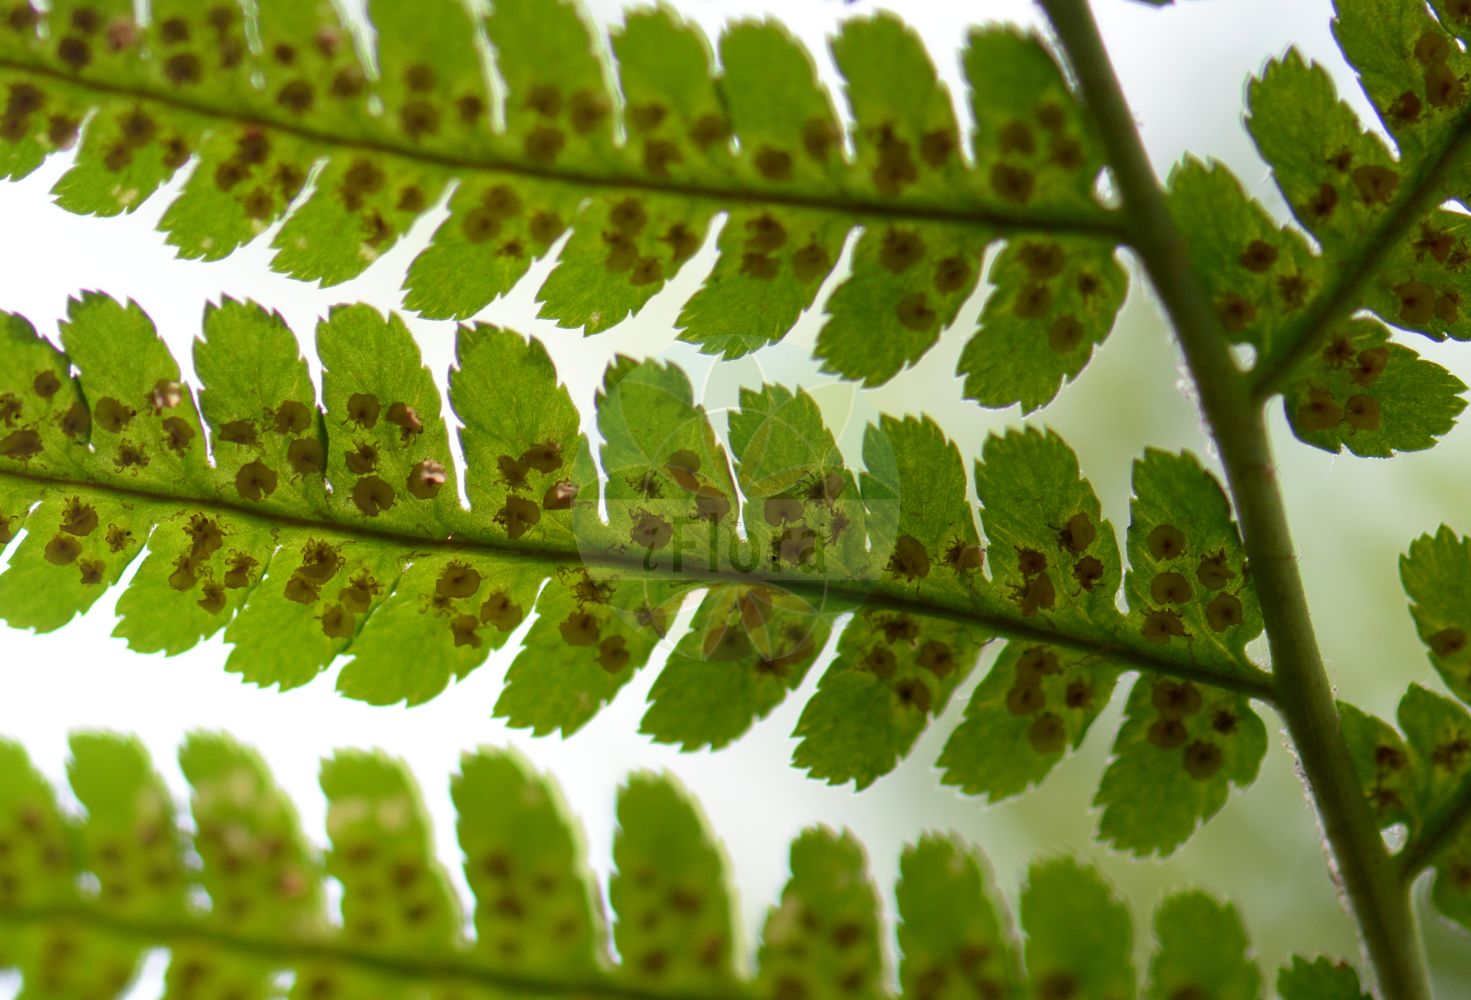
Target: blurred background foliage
[[1184, 69]]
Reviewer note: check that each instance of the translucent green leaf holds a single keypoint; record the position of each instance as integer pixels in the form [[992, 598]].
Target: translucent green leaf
[[1055, 300], [951, 933], [1336, 177], [929, 533], [561, 119], [259, 872], [822, 939], [1320, 979], [129, 838], [497, 227], [257, 866], [40, 848], [1037, 702], [44, 401], [1052, 557], [768, 273], [746, 650], [908, 284], [1398, 47], [257, 388], [803, 507], [1188, 579], [406, 471], [535, 447], [396, 898], [1079, 937], [1361, 391], [125, 154], [533, 910], [673, 110], [1179, 751], [669, 488], [288, 631], [771, 264], [906, 137], [622, 250], [1384, 766], [1341, 179], [187, 561], [66, 561], [52, 127], [1436, 574], [894, 672], [1371, 396], [1438, 732], [36, 872], [360, 207], [593, 631], [1033, 142], [1201, 950], [430, 76], [153, 435], [437, 609], [672, 920], [1259, 275], [779, 110]]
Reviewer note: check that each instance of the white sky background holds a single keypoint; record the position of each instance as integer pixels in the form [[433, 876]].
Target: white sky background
[[1184, 69]]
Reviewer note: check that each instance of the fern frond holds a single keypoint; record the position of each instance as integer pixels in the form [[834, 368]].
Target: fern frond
[[1359, 390], [1419, 775], [638, 172], [251, 907], [1422, 780], [1320, 979], [1387, 240], [307, 534]]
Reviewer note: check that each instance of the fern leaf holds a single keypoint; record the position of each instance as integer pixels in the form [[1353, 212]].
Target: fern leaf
[[1187, 575], [530, 859], [951, 929], [83, 896], [667, 861], [770, 264], [1376, 210], [1381, 759], [1175, 759], [1202, 947], [1436, 574], [1438, 732], [825, 935], [1320, 979], [307, 533], [1361, 391], [1056, 300], [1079, 936], [273, 114], [1423, 780]]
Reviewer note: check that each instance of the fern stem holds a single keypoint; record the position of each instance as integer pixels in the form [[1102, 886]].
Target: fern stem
[[1368, 875], [1251, 681], [1437, 834], [453, 968], [1341, 297], [1104, 223]]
